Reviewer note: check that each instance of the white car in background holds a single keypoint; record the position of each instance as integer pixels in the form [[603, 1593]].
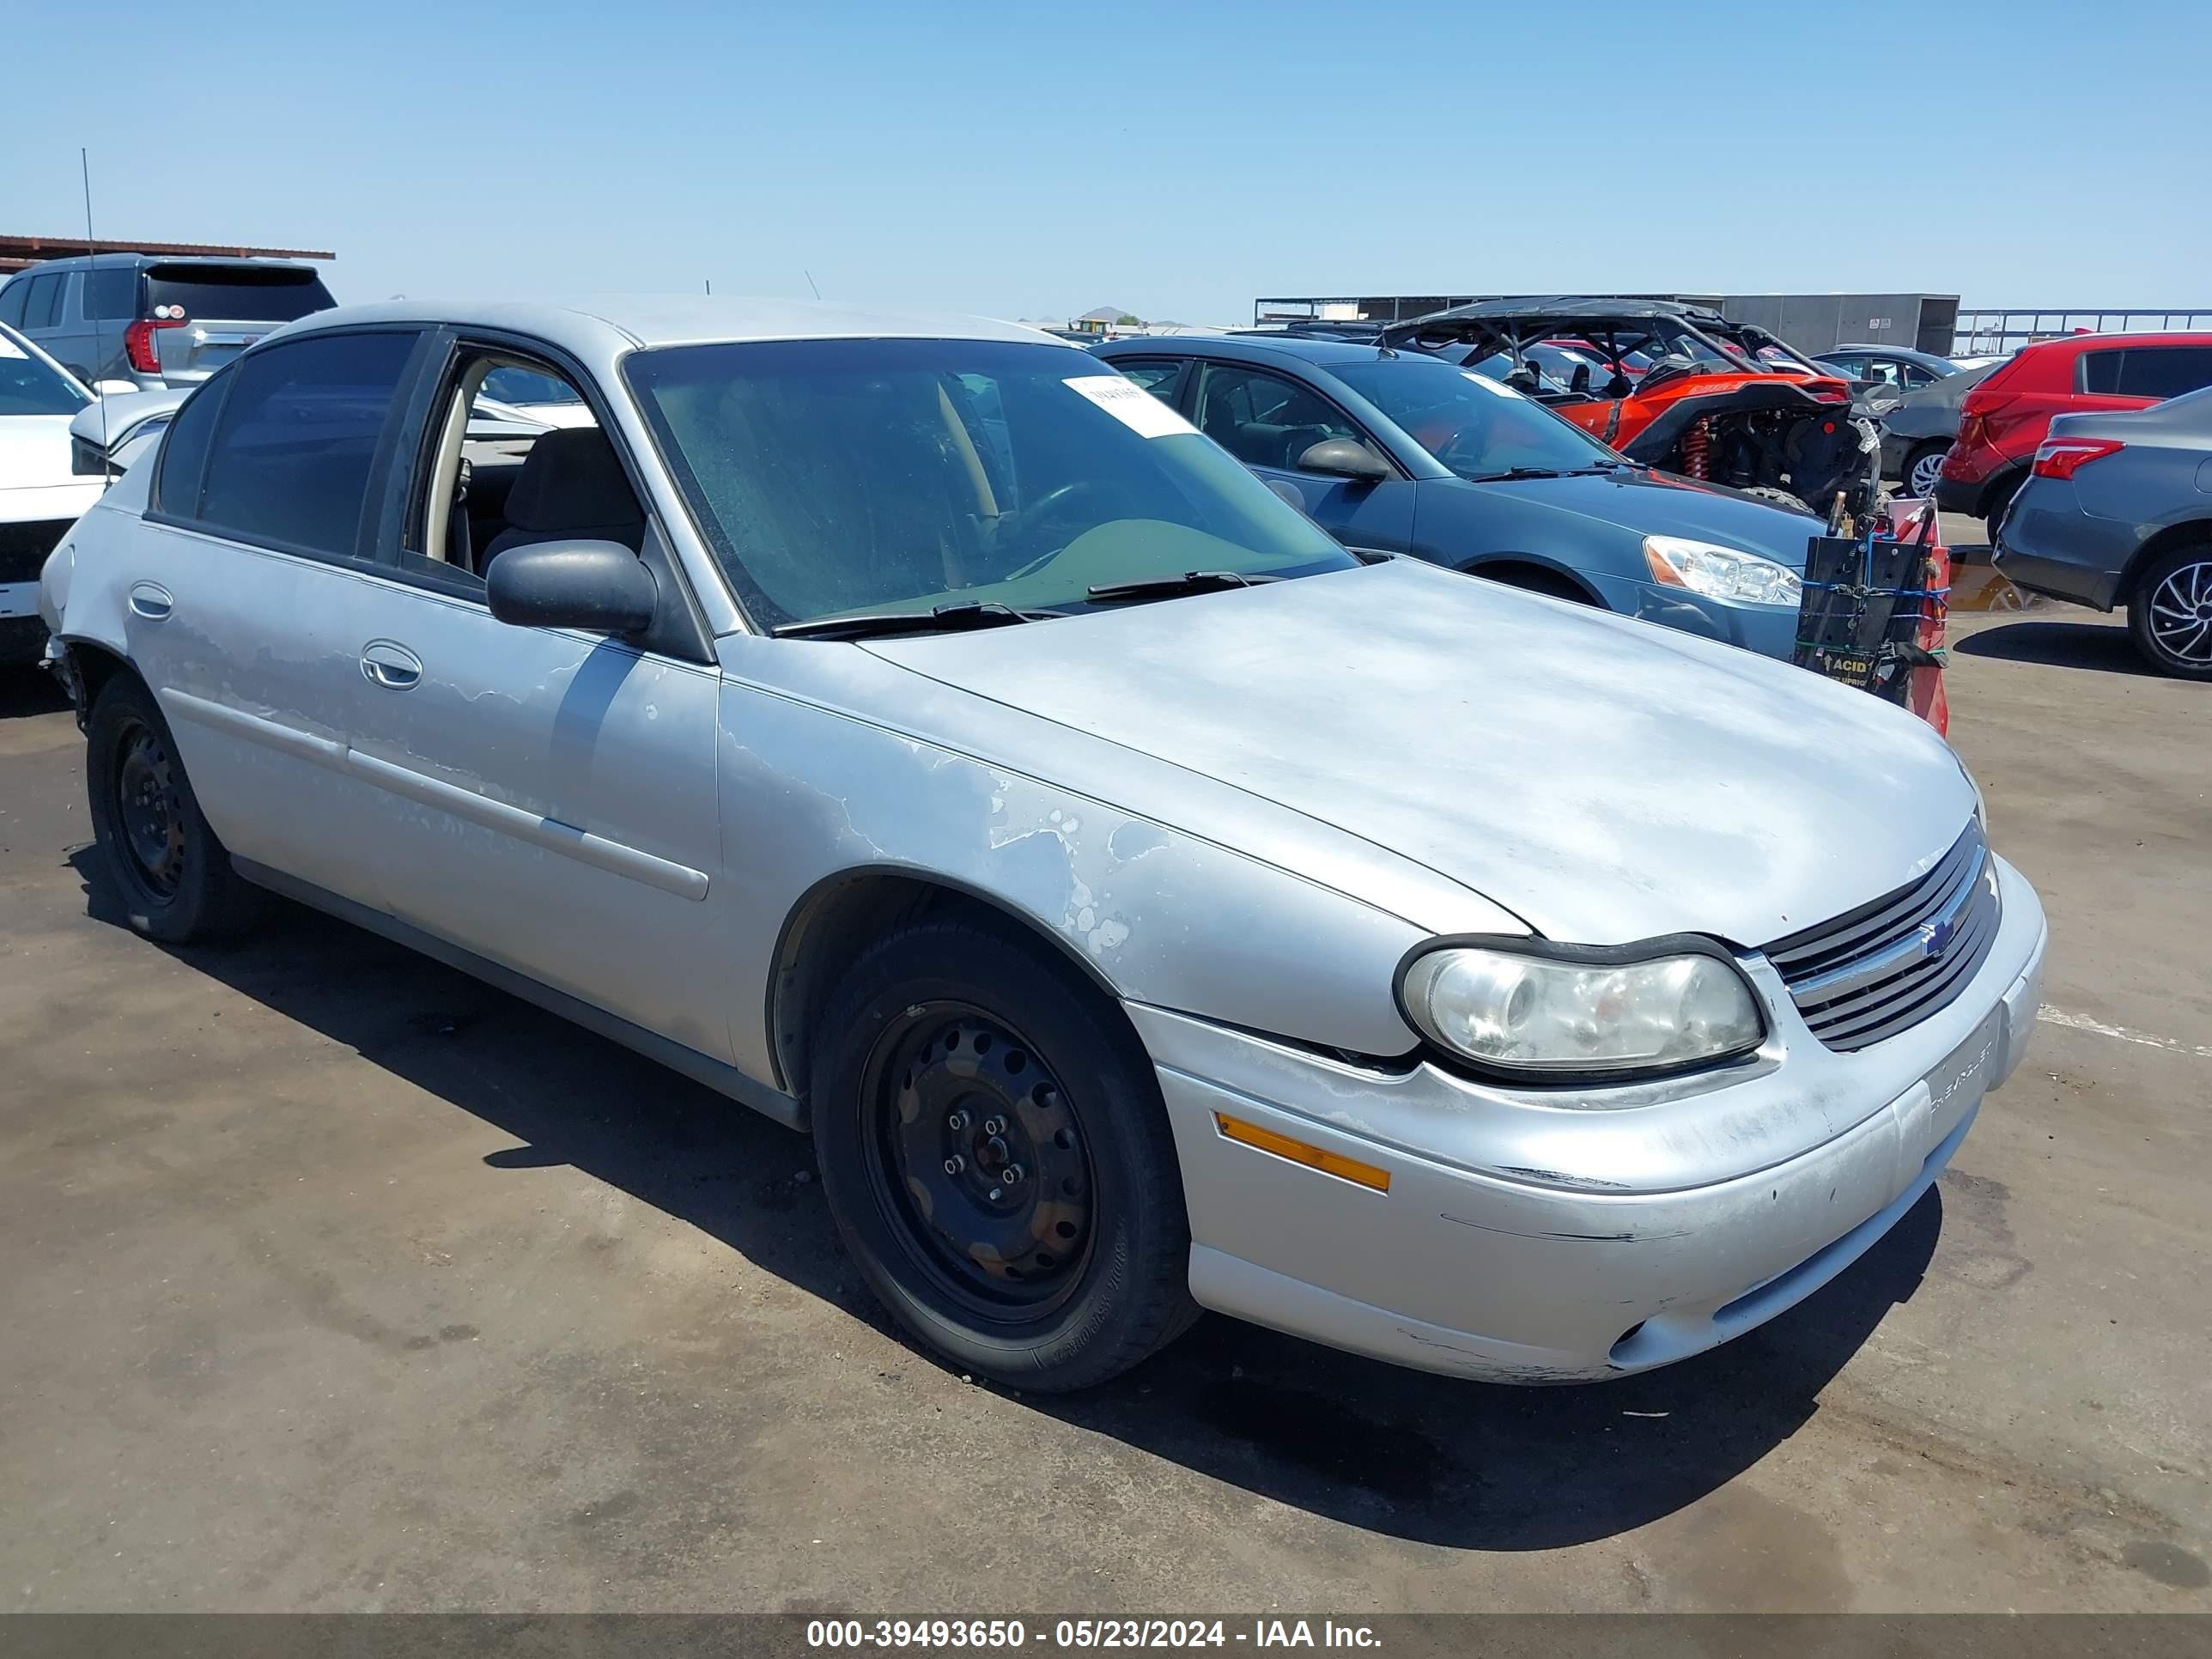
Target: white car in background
[[41, 497]]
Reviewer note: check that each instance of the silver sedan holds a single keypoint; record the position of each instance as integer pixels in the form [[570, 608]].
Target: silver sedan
[[914, 730]]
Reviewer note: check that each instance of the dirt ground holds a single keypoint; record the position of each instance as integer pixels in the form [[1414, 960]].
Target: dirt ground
[[335, 1280]]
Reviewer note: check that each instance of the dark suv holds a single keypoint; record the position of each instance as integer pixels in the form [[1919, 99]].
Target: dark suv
[[153, 321]]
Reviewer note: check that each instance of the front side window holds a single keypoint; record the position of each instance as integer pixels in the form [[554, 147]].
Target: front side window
[[832, 476], [2164, 371], [1265, 420], [511, 382], [28, 386], [290, 461], [1157, 378], [1470, 423]]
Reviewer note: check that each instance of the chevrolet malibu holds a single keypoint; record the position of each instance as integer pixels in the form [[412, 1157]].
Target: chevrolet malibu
[[915, 730]]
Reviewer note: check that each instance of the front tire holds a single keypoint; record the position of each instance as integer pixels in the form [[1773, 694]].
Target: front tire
[[173, 875], [2170, 613], [997, 1158]]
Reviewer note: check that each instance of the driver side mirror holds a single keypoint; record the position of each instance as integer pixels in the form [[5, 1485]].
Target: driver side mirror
[[601, 587], [113, 388], [1344, 458]]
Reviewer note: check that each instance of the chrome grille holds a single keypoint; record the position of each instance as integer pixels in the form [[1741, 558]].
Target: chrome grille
[[1871, 973], [24, 546]]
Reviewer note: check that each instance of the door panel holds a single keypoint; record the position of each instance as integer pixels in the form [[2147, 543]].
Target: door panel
[[1268, 420], [546, 799], [252, 655]]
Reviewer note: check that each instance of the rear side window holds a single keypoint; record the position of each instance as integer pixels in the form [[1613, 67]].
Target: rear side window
[[11, 301], [290, 460], [237, 294], [2101, 371], [44, 307], [184, 447], [111, 293]]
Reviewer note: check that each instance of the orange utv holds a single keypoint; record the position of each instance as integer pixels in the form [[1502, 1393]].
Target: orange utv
[[1674, 386]]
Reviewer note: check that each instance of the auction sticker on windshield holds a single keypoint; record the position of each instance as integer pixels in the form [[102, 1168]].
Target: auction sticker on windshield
[[1489, 385], [1131, 404]]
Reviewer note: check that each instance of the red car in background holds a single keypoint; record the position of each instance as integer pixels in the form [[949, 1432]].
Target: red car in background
[[2009, 412]]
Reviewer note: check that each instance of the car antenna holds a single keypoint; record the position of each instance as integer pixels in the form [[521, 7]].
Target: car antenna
[[810, 283], [92, 270]]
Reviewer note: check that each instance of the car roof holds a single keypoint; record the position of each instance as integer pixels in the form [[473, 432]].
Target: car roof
[[2106, 342], [1571, 308], [611, 324], [1304, 347], [124, 258]]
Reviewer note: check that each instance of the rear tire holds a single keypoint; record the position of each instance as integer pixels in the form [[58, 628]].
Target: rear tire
[[172, 873], [997, 1157], [2170, 613], [1923, 467]]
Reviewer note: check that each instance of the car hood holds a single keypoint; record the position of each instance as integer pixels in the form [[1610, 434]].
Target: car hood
[[34, 451], [1602, 779], [1520, 512]]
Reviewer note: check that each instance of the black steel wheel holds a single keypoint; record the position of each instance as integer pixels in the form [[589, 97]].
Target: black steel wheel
[[171, 873], [996, 1154], [981, 1149]]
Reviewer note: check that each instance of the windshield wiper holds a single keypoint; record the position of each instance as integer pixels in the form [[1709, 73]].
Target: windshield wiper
[[1512, 472], [1167, 588], [945, 619]]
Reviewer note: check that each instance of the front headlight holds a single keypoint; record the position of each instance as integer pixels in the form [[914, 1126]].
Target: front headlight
[[1720, 573], [1569, 1009]]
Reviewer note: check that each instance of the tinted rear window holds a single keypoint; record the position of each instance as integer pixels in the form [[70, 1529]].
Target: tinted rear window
[[237, 294]]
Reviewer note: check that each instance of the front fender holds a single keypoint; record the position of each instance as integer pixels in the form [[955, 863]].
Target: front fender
[[1162, 915]]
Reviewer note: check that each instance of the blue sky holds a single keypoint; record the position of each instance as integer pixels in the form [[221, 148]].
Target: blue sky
[[1177, 159]]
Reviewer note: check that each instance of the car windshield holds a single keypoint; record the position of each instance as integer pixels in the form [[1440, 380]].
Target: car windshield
[[833, 476], [1471, 423], [29, 386]]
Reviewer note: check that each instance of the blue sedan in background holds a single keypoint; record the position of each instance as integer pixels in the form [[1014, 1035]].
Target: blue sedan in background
[[1403, 452]]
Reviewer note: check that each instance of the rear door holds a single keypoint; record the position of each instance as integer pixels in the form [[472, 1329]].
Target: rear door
[[1269, 421], [244, 582], [205, 315]]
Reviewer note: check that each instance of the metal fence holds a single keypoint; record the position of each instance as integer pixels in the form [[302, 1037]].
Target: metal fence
[[1995, 333]]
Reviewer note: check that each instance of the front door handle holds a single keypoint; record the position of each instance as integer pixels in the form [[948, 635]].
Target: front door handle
[[151, 600], [389, 664]]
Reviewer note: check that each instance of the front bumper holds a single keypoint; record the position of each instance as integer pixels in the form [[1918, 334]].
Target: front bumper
[[1529, 1237], [1769, 629], [1956, 495]]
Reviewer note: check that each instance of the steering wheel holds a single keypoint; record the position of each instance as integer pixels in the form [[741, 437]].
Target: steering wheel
[[1040, 511]]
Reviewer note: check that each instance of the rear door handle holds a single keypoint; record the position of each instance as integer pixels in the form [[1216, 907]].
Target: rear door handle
[[151, 600], [389, 664]]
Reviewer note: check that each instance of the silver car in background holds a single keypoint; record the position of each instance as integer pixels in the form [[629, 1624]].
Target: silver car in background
[[912, 729], [150, 321], [2117, 511]]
